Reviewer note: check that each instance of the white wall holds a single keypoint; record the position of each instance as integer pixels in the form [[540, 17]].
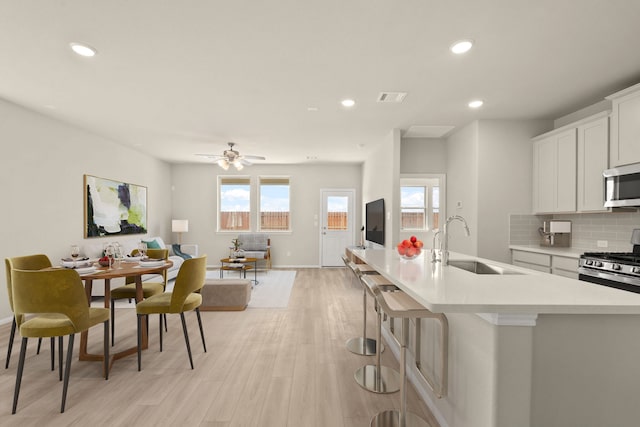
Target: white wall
[[489, 177], [462, 187], [381, 180], [41, 169], [194, 194], [504, 177], [423, 155]]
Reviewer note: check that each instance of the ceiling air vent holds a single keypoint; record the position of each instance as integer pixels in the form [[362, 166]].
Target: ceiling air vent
[[394, 97]]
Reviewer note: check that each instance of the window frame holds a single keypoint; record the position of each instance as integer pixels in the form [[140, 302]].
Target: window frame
[[276, 180], [428, 181], [242, 180]]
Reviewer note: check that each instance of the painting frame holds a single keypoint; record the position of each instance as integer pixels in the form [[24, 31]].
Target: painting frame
[[113, 208]]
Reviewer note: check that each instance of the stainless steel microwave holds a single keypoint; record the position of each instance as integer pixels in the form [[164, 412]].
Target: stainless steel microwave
[[622, 186]]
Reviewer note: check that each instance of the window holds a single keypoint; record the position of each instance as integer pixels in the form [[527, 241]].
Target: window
[[274, 214], [337, 213], [234, 204], [413, 208], [420, 200]]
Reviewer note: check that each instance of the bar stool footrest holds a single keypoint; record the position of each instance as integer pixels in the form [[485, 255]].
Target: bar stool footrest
[[392, 419], [359, 346], [387, 382]]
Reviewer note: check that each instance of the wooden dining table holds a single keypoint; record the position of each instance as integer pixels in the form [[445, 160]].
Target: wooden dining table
[[125, 269]]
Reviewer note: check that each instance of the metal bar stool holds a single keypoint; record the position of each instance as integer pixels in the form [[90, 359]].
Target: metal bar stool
[[362, 345], [399, 304], [377, 378]]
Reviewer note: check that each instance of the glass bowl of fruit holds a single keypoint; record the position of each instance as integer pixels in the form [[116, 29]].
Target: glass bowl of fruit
[[410, 248]]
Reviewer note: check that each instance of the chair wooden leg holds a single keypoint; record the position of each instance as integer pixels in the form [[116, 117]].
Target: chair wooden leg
[[140, 342], [106, 350], [113, 323], [60, 353], [39, 344], [165, 322], [11, 337], [16, 392], [67, 371], [204, 344], [186, 338]]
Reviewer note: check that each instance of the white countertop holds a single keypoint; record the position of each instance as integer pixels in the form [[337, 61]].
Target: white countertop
[[549, 250], [447, 289]]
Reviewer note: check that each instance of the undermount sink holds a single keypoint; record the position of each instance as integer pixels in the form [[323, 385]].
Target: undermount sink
[[478, 267]]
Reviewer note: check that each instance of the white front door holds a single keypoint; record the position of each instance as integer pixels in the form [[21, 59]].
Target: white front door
[[337, 225]]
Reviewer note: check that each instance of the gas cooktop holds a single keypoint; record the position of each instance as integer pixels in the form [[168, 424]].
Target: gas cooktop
[[623, 257]]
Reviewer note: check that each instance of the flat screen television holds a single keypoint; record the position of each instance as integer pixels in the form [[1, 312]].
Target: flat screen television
[[374, 215]]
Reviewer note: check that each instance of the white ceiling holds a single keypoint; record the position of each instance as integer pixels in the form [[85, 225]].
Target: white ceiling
[[176, 78]]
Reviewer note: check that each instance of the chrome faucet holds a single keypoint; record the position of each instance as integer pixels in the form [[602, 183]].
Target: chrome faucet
[[444, 252], [434, 254]]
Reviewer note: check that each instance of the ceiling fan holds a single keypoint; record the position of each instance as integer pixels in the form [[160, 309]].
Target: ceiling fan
[[232, 157]]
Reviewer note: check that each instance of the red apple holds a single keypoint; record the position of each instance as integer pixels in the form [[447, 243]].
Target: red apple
[[411, 252], [401, 249], [413, 239], [407, 243], [418, 244]]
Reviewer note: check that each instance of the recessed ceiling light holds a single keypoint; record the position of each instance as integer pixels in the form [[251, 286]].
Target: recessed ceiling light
[[461, 46], [348, 103], [476, 103], [83, 49]]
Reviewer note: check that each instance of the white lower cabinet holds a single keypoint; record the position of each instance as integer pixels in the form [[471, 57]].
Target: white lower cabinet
[[564, 266], [531, 260], [546, 263]]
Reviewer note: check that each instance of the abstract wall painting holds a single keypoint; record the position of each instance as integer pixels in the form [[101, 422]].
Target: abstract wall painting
[[113, 207]]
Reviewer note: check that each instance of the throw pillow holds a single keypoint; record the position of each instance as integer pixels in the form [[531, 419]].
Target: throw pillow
[[152, 244]]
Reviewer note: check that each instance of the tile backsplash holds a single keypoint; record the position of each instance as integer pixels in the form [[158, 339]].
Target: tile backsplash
[[586, 229]]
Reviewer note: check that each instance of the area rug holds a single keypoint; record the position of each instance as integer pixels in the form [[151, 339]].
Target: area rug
[[272, 291], [273, 288]]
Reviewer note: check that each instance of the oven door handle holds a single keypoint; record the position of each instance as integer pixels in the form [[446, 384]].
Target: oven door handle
[[614, 277]]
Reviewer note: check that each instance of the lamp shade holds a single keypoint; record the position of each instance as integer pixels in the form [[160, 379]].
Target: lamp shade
[[179, 225]]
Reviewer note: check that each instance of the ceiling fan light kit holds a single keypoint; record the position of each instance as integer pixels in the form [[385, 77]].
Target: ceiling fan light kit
[[232, 157]]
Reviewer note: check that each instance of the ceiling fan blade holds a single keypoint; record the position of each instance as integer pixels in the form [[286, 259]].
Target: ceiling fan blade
[[254, 157], [245, 162], [211, 156]]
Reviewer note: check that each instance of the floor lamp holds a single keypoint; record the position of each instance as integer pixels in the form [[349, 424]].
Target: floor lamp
[[179, 226]]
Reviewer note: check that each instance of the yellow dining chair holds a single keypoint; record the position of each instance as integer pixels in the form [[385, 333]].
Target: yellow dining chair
[[184, 297], [128, 291], [27, 262], [59, 292]]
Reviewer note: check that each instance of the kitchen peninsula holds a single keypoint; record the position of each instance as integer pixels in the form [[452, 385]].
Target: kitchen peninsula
[[525, 348]]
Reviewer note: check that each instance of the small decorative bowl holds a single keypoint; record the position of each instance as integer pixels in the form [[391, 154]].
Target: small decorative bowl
[[104, 263], [405, 256]]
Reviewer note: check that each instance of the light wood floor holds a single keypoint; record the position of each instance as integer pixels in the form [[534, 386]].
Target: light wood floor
[[264, 367]]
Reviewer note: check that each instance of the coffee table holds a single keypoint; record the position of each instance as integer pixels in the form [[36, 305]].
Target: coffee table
[[241, 265]]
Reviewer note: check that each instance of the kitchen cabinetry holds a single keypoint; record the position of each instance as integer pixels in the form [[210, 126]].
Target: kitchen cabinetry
[[566, 266], [531, 260], [593, 155], [568, 166], [625, 126], [554, 172]]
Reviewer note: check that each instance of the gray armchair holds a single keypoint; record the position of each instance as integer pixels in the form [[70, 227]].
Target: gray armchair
[[256, 245]]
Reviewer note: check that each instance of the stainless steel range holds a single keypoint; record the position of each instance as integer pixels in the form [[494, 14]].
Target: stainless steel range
[[615, 269]]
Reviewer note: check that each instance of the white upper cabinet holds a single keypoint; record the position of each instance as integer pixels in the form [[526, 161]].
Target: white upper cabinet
[[554, 172], [593, 155], [625, 126]]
